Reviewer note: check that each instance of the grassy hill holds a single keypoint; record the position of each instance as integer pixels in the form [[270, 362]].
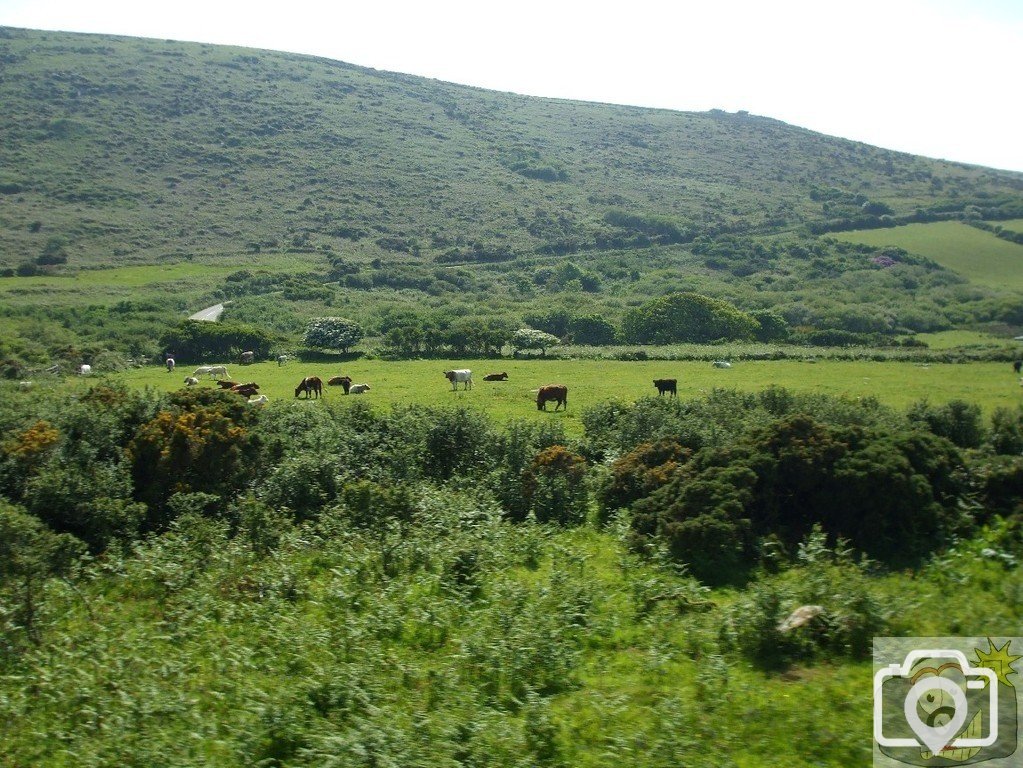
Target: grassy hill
[[301, 187], [147, 150], [977, 255]]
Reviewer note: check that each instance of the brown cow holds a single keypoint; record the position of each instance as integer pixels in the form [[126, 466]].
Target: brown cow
[[310, 385], [496, 377], [666, 385], [246, 390], [558, 392], [227, 384], [345, 382]]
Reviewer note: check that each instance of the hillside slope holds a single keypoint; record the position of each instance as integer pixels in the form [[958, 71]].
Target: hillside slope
[[133, 150]]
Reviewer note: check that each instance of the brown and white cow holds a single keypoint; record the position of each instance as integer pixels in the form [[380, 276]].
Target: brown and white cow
[[310, 385]]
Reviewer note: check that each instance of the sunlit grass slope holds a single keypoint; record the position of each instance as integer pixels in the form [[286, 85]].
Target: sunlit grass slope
[[980, 256]]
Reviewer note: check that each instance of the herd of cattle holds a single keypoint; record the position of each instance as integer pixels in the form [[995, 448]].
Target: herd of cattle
[[312, 386]]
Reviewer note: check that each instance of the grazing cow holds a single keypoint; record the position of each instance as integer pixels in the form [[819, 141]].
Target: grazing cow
[[345, 382], [358, 389], [218, 371], [202, 370], [310, 385], [558, 392], [666, 385], [85, 370], [281, 359], [247, 358], [170, 365], [462, 376], [227, 384], [261, 400], [722, 364], [496, 377], [191, 381], [1017, 366]]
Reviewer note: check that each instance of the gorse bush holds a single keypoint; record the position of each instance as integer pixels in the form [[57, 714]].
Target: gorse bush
[[554, 488], [892, 495], [956, 420]]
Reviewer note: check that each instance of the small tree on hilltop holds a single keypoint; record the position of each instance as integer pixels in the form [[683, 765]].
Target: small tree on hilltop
[[333, 333], [528, 338]]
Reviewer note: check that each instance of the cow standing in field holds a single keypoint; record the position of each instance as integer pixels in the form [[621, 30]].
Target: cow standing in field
[[247, 358], [666, 385], [170, 365], [1017, 366], [462, 376], [557, 392], [310, 385]]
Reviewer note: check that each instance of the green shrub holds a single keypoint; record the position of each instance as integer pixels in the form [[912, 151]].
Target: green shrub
[[892, 495], [641, 472], [955, 420], [687, 317], [1006, 434], [553, 486]]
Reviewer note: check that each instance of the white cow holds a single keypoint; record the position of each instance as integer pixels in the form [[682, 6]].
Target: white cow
[[85, 370], [170, 365], [191, 381], [202, 370], [722, 364], [218, 371], [261, 400], [463, 376], [358, 389]]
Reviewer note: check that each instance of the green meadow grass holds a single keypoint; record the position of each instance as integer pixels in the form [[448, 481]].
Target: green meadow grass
[[897, 384], [86, 285], [956, 339], [1016, 225], [980, 256]]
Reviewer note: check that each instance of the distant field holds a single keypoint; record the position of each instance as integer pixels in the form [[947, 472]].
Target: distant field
[[590, 381], [96, 286], [954, 339], [1016, 225], [980, 256]]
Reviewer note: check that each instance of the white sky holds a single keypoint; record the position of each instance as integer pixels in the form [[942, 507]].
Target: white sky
[[933, 77]]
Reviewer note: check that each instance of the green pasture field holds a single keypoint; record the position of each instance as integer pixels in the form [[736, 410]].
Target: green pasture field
[[897, 384], [94, 285], [956, 339], [979, 256], [1016, 225]]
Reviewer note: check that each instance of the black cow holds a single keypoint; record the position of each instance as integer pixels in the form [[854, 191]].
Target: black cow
[[666, 385]]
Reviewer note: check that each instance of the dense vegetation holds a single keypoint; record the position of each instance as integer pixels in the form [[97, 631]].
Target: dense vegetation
[[167, 176], [189, 580], [301, 584]]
